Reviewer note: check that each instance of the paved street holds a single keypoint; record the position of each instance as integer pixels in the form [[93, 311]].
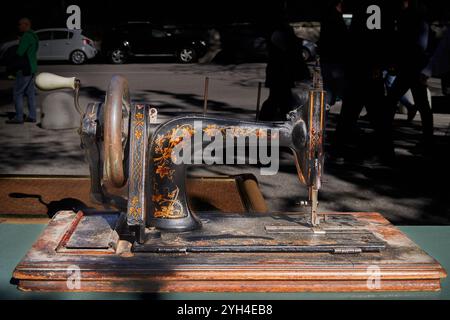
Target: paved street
[[413, 192]]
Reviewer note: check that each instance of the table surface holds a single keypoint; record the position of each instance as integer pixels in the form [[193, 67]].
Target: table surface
[[16, 239]]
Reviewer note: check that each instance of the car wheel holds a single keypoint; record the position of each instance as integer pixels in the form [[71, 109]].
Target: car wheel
[[187, 55], [118, 56], [78, 57], [306, 54]]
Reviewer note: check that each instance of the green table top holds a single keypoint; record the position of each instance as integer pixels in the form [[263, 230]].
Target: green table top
[[16, 239]]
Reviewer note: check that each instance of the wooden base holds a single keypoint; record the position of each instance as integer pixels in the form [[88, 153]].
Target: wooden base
[[401, 266]]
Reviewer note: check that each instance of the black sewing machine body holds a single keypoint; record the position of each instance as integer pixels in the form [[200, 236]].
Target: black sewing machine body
[[130, 150], [129, 155]]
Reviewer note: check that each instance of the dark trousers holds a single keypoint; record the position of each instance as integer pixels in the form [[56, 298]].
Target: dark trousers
[[407, 80], [277, 105], [333, 81], [24, 86], [363, 91]]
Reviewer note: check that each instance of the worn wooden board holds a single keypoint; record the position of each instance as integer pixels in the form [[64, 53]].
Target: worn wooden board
[[402, 266]]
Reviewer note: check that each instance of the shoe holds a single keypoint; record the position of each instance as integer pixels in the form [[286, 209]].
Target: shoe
[[14, 121], [31, 120]]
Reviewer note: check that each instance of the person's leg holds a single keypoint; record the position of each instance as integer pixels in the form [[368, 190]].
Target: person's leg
[[408, 102], [352, 104], [445, 84], [339, 82], [31, 95], [328, 82], [18, 95], [381, 119], [397, 90], [266, 110], [420, 94], [405, 100], [277, 105], [269, 107], [286, 102]]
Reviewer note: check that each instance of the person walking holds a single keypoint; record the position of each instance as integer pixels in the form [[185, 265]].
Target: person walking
[[25, 66], [333, 46], [412, 42], [365, 87], [285, 66], [439, 63]]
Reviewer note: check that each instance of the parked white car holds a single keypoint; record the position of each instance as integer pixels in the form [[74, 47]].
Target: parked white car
[[59, 44]]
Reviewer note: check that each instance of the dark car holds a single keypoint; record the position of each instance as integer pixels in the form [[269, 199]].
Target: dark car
[[242, 43], [143, 39], [248, 43]]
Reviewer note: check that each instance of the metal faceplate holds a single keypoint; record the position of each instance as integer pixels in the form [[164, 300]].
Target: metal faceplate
[[91, 232]]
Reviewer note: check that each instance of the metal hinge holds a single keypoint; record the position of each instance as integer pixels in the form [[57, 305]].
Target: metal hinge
[[347, 250]]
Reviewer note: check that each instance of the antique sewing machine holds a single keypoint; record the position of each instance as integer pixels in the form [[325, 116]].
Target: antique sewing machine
[[153, 241]]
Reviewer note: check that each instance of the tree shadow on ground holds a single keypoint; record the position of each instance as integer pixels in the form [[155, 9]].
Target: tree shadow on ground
[[196, 102]]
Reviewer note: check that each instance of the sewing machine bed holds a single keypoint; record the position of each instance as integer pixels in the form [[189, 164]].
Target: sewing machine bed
[[267, 233], [247, 255]]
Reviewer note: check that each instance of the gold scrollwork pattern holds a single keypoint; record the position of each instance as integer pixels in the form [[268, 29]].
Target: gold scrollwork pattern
[[167, 205], [166, 199]]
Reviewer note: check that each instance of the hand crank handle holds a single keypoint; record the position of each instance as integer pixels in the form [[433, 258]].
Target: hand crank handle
[[48, 81]]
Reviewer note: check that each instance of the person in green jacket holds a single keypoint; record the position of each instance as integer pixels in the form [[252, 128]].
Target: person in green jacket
[[26, 71]]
